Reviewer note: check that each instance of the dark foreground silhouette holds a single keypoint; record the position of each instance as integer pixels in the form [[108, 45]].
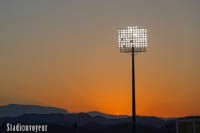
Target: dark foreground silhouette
[[84, 123], [61, 121]]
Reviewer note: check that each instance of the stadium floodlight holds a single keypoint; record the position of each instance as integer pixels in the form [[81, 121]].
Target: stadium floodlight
[[132, 40]]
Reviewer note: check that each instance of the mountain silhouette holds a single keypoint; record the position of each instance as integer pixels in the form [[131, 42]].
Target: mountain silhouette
[[60, 120], [17, 110], [85, 123], [108, 116]]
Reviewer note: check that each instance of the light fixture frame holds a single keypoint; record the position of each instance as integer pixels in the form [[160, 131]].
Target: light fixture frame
[[132, 39]]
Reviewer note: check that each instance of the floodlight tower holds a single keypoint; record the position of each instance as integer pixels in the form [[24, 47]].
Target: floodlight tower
[[132, 40]]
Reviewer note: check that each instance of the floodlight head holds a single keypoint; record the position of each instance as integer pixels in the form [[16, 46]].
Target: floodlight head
[[132, 39]]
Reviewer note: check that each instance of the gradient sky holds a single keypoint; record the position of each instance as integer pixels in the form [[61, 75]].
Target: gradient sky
[[65, 54]]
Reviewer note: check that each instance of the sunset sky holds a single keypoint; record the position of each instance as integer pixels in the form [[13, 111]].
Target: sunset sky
[[65, 54]]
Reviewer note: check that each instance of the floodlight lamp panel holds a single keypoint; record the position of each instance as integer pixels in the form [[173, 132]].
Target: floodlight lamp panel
[[132, 38]]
